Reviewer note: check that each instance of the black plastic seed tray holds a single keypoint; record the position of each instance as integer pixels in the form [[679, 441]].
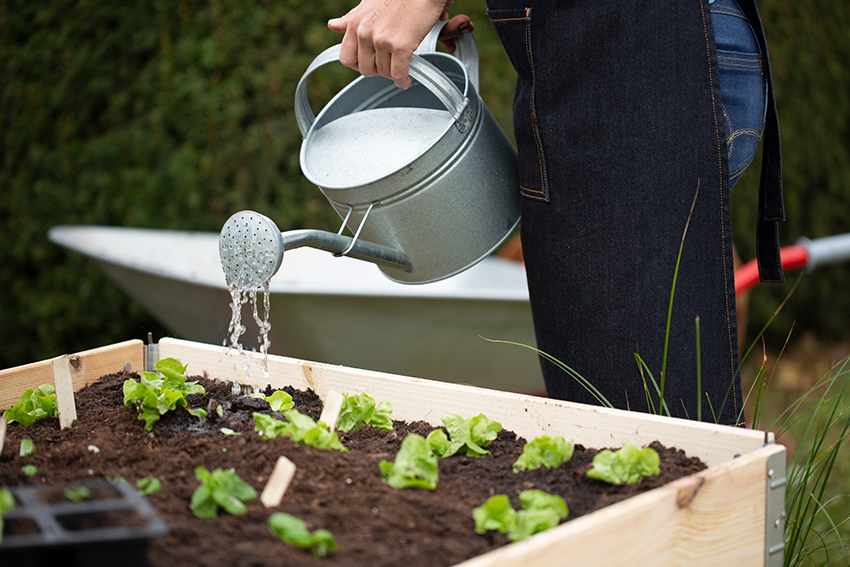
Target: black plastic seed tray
[[110, 527]]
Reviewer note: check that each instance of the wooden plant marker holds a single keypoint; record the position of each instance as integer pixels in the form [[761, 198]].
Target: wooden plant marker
[[3, 422], [331, 409], [281, 476], [65, 405]]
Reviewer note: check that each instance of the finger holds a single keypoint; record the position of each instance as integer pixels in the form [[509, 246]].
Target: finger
[[348, 50], [456, 27], [399, 72], [366, 59]]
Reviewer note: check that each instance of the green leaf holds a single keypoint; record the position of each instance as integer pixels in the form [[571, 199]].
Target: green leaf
[[148, 486], [27, 447], [294, 531], [300, 429], [540, 512], [439, 442], [628, 465], [544, 451], [154, 396], [220, 488], [34, 405], [467, 436], [362, 409], [269, 427], [30, 470], [280, 401], [7, 503], [77, 494], [415, 465], [496, 514], [199, 413]]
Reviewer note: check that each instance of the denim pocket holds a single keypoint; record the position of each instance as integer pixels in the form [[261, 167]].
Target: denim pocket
[[742, 84], [513, 27]]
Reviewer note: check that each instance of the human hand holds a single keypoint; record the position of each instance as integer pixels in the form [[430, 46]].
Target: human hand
[[381, 35]]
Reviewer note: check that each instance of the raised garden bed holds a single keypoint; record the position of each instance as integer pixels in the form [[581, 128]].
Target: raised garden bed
[[720, 513]]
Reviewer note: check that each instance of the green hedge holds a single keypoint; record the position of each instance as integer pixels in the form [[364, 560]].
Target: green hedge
[[175, 114]]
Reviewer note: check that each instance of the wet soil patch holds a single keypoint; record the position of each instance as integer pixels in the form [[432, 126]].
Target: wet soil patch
[[375, 525]]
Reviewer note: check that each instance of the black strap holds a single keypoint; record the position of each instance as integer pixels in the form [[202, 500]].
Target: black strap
[[771, 208]]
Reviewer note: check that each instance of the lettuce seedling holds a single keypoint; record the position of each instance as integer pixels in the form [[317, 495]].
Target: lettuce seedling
[[360, 409], [415, 465], [154, 396], [279, 400], [148, 486], [34, 405], [544, 451], [294, 531], [467, 436], [77, 494], [540, 511], [7, 503], [628, 464], [27, 447], [220, 488], [300, 429], [29, 470]]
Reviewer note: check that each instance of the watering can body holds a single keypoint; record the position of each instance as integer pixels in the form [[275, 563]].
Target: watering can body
[[425, 171]]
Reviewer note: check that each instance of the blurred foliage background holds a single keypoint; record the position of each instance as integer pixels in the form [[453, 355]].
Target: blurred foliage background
[[177, 113]]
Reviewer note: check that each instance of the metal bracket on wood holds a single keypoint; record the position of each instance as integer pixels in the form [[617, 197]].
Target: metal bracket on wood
[[151, 354], [774, 536]]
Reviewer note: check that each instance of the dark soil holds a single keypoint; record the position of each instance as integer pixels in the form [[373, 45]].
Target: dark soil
[[341, 492]]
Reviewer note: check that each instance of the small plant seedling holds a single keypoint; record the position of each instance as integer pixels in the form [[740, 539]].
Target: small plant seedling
[[220, 488], [27, 447], [363, 409], [628, 465], [294, 531], [300, 428], [29, 470], [34, 405], [154, 396], [466, 436], [77, 494], [148, 486], [544, 451], [279, 400], [540, 511], [415, 465], [7, 503]]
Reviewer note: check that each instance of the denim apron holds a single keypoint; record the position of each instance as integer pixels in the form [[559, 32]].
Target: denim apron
[[622, 144]]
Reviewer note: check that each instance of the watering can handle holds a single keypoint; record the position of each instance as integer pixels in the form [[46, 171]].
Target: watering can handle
[[465, 49], [427, 74]]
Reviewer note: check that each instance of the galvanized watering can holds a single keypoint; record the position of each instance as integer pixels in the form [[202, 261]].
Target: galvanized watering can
[[424, 178]]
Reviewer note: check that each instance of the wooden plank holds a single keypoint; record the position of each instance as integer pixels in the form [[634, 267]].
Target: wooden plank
[[528, 416], [86, 367], [716, 517]]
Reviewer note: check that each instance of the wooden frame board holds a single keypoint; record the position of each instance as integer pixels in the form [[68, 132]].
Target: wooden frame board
[[722, 514]]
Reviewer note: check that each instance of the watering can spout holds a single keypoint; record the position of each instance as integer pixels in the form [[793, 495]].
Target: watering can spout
[[251, 249], [340, 245]]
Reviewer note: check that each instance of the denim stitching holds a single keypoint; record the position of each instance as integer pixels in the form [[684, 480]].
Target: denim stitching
[[722, 224], [727, 11], [543, 193]]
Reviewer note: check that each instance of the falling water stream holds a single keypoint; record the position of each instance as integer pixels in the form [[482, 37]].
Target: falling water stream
[[239, 296]]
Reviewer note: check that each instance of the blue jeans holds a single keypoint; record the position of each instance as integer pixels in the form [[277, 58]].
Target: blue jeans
[[742, 84], [618, 120]]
